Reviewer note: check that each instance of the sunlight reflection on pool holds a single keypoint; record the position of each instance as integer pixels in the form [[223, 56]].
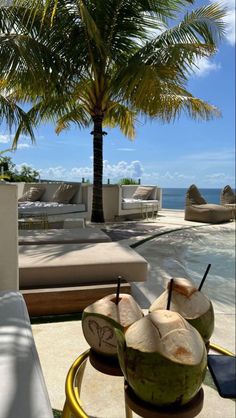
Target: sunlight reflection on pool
[[186, 253]]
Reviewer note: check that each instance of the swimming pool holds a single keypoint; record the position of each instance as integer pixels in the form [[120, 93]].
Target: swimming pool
[[186, 253]]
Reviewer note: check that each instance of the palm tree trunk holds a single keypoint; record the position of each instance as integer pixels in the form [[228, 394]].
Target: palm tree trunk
[[97, 206]]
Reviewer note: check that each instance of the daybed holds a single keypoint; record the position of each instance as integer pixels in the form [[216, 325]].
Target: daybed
[[59, 200], [23, 393], [197, 209], [139, 200], [228, 199], [71, 276]]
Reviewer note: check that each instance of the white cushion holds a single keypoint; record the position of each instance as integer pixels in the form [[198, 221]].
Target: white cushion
[[23, 392], [48, 208], [138, 204]]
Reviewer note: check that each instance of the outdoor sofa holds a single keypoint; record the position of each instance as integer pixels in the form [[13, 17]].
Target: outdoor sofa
[[198, 210], [55, 200], [23, 392], [118, 201], [139, 200]]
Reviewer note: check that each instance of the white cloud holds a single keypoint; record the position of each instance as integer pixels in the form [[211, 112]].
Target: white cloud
[[135, 170], [114, 172], [229, 19], [23, 146], [214, 156], [205, 66], [123, 169], [176, 176], [53, 173], [216, 176], [216, 179], [82, 172], [230, 30], [5, 138]]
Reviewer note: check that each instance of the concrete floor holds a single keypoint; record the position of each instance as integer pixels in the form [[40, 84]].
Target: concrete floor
[[60, 343]]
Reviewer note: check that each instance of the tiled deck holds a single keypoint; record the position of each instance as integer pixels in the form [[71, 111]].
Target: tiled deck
[[59, 344]]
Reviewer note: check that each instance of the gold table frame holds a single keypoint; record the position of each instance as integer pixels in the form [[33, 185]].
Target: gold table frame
[[73, 404]]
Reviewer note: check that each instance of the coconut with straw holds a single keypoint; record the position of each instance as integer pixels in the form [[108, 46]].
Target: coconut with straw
[[189, 302], [99, 319]]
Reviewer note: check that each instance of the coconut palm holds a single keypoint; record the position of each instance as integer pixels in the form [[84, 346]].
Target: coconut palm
[[106, 63]]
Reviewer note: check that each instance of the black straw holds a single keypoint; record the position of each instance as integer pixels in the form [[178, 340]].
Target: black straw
[[118, 289], [204, 277], [169, 294]]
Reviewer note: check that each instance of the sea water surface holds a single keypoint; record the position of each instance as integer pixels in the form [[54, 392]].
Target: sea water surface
[[175, 198]]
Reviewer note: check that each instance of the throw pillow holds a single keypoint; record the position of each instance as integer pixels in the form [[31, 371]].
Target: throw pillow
[[33, 194], [65, 193], [142, 193]]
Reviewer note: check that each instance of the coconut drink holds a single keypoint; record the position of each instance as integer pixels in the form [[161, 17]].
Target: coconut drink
[[163, 358], [190, 303], [100, 318]]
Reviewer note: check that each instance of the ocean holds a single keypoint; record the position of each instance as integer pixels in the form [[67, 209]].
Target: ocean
[[175, 198]]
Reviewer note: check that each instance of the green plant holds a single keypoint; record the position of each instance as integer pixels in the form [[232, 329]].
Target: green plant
[[128, 180]]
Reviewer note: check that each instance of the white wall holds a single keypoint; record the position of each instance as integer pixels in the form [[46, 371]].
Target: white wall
[[9, 275], [20, 187], [110, 201]]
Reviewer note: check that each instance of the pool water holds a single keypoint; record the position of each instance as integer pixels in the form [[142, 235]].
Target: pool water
[[187, 253]]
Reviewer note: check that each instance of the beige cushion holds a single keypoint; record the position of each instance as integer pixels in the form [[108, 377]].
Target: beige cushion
[[208, 212], [142, 193], [194, 197], [75, 264], [33, 194], [64, 193]]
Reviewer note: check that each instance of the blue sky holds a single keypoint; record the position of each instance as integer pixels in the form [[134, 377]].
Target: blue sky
[[169, 155]]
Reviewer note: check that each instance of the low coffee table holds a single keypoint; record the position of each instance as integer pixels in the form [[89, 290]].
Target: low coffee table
[[35, 222], [73, 403], [147, 207]]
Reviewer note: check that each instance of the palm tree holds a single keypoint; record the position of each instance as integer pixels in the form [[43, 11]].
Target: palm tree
[[106, 63]]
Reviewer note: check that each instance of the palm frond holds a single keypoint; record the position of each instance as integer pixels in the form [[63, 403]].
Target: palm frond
[[14, 116], [73, 59], [175, 100], [122, 116], [77, 116]]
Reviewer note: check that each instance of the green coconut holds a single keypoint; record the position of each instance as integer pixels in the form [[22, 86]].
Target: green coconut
[[163, 358], [101, 318], [192, 304]]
